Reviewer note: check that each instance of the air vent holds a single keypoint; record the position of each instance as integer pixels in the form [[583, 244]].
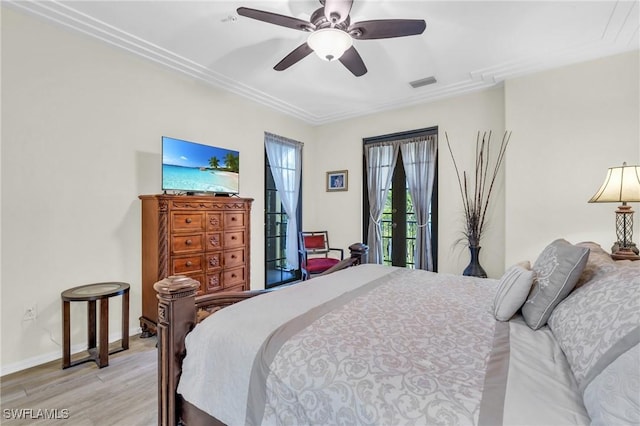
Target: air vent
[[424, 82]]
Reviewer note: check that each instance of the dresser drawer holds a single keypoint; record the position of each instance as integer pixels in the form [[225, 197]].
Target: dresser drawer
[[214, 241], [187, 243], [233, 277], [213, 260], [233, 239], [236, 288], [187, 221], [233, 220], [233, 258], [214, 221], [213, 282], [186, 264]]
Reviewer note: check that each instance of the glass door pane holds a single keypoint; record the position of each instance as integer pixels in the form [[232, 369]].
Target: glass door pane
[[411, 229], [399, 225], [276, 269]]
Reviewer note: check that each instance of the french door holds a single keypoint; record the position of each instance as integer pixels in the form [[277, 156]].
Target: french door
[[277, 270], [398, 223]]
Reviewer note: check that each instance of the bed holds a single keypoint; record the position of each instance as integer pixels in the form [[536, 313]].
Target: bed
[[556, 343]]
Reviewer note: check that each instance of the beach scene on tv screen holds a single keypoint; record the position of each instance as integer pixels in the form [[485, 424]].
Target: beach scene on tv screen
[[188, 166]]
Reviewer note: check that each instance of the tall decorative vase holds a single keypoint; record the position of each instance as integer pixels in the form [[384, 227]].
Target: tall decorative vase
[[474, 269]]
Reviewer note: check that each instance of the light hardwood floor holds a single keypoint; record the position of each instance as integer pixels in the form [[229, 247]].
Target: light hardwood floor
[[123, 393]]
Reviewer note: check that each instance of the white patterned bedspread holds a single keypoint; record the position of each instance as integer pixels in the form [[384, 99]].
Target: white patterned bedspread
[[368, 345]]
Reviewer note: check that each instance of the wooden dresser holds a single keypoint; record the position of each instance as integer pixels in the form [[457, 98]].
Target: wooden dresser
[[203, 237]]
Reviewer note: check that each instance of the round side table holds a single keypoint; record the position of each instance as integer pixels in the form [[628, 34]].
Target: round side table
[[90, 293]]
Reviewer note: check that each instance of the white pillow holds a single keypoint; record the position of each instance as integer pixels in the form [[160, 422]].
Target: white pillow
[[513, 289]]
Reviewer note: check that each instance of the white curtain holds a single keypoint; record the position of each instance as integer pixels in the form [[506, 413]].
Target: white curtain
[[419, 160], [285, 159], [380, 160]]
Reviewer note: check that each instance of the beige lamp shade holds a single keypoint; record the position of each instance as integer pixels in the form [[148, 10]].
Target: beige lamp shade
[[622, 184]]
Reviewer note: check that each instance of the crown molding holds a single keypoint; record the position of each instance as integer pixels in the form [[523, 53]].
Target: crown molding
[[619, 35]]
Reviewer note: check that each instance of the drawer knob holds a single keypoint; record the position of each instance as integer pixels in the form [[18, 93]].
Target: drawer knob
[[189, 263], [233, 256], [188, 220], [233, 237], [233, 219], [188, 242], [233, 275]]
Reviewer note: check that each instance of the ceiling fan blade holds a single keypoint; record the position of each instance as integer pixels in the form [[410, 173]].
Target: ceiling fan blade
[[274, 18], [352, 60], [386, 28], [337, 11], [296, 55]]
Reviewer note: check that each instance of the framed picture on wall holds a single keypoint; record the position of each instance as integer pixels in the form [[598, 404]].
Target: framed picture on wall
[[338, 180]]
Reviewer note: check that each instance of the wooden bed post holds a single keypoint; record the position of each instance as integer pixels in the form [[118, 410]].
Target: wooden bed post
[[176, 317], [360, 252]]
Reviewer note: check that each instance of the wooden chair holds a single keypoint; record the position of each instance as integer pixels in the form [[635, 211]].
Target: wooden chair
[[314, 253]]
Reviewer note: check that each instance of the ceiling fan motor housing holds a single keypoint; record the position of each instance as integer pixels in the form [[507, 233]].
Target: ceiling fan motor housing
[[320, 21]]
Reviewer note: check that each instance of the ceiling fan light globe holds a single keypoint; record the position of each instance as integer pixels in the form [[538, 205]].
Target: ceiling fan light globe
[[329, 43]]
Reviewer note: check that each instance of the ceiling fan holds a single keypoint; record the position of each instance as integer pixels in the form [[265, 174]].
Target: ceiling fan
[[332, 33]]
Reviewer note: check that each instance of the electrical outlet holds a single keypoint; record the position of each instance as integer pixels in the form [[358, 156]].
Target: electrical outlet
[[30, 313]]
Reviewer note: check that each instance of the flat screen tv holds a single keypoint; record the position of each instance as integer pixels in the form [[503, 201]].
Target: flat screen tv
[[197, 168]]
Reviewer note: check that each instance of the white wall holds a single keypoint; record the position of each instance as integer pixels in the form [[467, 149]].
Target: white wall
[[338, 146], [572, 124], [81, 140]]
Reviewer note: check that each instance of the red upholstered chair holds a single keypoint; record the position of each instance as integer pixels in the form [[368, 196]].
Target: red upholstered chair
[[314, 253]]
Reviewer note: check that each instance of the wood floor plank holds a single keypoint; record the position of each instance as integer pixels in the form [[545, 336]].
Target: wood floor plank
[[123, 393]]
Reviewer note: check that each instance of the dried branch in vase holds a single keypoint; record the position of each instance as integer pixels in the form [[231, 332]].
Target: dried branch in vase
[[476, 195]]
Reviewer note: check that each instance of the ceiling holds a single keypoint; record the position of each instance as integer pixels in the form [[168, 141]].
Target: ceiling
[[467, 46]]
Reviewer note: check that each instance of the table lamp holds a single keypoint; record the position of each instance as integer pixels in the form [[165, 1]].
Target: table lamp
[[622, 185]]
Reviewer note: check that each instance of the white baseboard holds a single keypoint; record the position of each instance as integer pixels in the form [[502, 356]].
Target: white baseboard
[[57, 355]]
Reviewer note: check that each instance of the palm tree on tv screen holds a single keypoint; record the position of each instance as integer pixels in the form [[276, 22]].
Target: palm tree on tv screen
[[214, 162], [232, 162]]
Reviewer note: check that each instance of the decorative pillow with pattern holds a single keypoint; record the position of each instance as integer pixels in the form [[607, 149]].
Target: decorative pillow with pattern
[[557, 271], [599, 321], [513, 290]]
